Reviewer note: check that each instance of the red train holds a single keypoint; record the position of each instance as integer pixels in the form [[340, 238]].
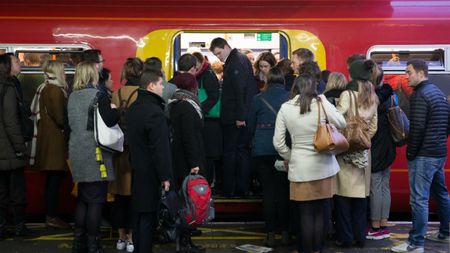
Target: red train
[[391, 32]]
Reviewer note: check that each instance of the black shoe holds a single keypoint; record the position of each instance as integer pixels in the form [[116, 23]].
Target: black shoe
[[79, 241], [196, 232], [23, 231], [93, 244]]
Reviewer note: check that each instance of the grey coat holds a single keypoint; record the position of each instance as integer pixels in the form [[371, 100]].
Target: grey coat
[[82, 144], [11, 140]]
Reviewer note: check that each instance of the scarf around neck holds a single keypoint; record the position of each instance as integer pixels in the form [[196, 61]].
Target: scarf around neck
[[184, 95]]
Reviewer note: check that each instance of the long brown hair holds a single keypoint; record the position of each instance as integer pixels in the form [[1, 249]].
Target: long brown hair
[[306, 87], [366, 94]]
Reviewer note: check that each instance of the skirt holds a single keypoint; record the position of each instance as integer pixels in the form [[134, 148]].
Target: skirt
[[313, 190], [93, 192]]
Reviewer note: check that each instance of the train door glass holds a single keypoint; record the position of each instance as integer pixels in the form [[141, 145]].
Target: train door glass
[[393, 59], [256, 42]]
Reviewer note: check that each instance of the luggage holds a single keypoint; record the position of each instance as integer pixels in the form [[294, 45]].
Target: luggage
[[197, 203]]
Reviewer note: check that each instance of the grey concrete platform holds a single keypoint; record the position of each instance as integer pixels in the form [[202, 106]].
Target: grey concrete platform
[[216, 238]]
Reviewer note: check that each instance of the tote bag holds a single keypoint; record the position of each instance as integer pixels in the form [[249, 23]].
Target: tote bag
[[202, 96], [357, 130], [107, 138], [328, 139]]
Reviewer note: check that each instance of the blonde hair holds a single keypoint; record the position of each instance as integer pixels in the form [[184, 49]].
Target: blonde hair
[[336, 81], [85, 73], [57, 70], [366, 94]]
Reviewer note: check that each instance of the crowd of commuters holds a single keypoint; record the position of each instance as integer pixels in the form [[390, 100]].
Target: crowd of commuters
[[258, 117]]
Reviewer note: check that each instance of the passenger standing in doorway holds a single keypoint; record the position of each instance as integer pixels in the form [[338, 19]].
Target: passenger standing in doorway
[[263, 64], [212, 131], [238, 89], [426, 153], [12, 160], [50, 109], [150, 157]]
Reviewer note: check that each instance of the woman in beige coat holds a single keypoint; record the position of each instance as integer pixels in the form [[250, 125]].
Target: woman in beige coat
[[353, 181], [50, 111], [311, 174]]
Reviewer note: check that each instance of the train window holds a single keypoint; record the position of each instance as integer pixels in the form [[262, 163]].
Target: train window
[[257, 42], [35, 59], [2, 51], [394, 58]]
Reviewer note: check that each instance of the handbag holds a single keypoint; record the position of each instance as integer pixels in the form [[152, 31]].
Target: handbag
[[357, 130], [328, 139], [398, 123], [107, 138], [214, 112]]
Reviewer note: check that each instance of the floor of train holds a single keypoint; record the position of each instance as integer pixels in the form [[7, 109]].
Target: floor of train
[[216, 238]]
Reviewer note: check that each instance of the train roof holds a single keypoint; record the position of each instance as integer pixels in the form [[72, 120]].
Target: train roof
[[245, 9]]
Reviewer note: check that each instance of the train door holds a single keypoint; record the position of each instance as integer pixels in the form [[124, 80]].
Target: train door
[[169, 45]]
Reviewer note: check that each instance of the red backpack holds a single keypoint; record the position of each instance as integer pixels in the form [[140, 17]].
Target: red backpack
[[197, 202]]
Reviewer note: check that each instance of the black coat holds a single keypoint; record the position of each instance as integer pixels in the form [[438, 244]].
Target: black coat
[[383, 146], [187, 146], [238, 89], [150, 156], [429, 122], [11, 139], [212, 132], [331, 95]]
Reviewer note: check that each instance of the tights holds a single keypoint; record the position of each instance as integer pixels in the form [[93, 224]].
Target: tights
[[88, 216], [51, 191], [311, 215]]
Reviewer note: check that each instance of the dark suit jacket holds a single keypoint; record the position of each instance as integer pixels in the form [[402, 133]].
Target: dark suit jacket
[[150, 156], [238, 89]]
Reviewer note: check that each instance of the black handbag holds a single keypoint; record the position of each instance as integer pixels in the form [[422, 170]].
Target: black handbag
[[398, 123]]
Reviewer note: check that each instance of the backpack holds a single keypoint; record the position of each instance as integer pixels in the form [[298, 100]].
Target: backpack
[[398, 123], [124, 104], [197, 203]]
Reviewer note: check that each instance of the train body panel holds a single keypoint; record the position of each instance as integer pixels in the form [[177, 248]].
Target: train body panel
[[119, 29]]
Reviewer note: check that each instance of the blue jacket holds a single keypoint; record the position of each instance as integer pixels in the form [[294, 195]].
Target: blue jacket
[[429, 122], [261, 121]]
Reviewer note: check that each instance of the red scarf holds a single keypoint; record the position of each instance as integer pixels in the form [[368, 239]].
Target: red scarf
[[204, 67]]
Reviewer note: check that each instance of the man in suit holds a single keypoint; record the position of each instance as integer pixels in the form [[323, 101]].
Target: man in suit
[[239, 87], [150, 157]]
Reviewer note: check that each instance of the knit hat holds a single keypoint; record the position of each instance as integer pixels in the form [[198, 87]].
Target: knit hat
[[361, 70], [185, 81]]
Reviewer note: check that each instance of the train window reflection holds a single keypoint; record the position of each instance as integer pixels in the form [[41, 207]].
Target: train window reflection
[[396, 60]]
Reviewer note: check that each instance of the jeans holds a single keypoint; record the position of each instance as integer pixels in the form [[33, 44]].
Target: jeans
[[426, 175]]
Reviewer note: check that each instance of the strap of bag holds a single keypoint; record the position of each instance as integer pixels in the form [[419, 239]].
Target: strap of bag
[[353, 97], [319, 105], [268, 105]]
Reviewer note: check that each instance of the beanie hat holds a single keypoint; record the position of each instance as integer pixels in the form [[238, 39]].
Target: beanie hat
[[185, 81], [361, 70]]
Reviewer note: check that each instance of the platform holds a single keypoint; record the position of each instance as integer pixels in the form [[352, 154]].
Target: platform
[[216, 238]]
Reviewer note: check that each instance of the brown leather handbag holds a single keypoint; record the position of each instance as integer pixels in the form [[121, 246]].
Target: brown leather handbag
[[398, 123], [357, 130], [328, 139]]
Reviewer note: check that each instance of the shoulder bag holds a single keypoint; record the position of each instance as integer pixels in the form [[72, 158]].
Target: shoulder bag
[[107, 138], [398, 123], [328, 139], [357, 130], [214, 112]]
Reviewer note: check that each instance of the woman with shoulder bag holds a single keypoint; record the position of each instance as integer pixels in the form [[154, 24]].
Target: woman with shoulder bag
[[353, 181], [311, 174], [275, 187], [91, 166]]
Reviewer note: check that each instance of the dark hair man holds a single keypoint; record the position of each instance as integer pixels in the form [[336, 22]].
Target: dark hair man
[[155, 64], [239, 87], [94, 55], [150, 157], [426, 153], [299, 56]]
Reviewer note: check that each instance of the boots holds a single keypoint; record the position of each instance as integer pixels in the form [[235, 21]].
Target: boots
[[185, 245], [55, 222], [270, 239], [93, 243], [79, 241]]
